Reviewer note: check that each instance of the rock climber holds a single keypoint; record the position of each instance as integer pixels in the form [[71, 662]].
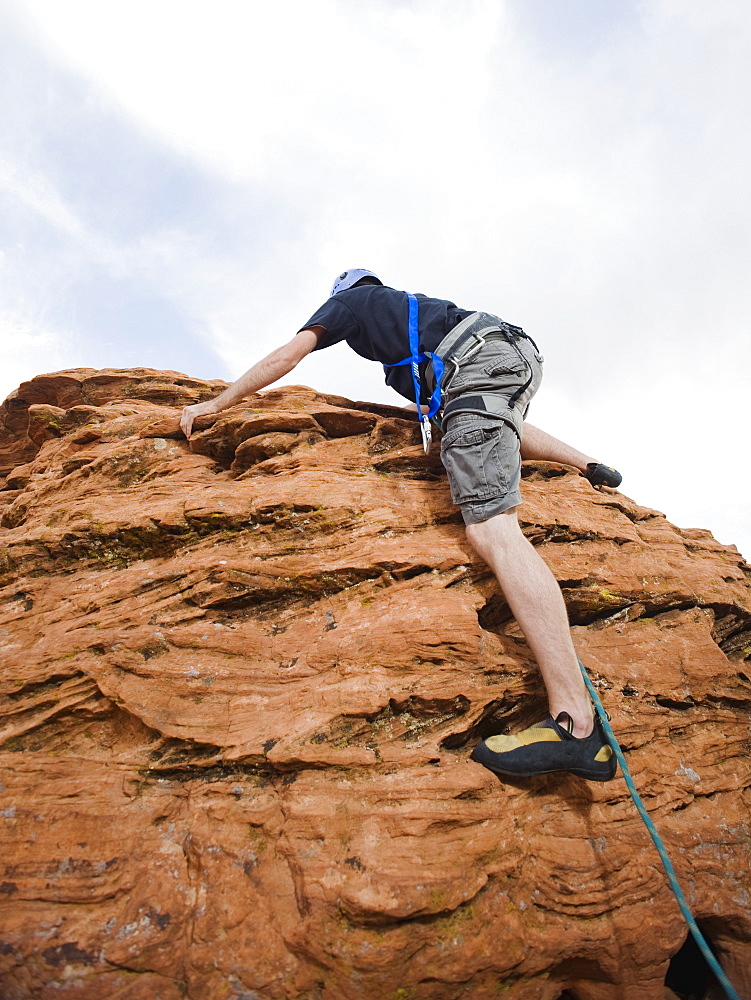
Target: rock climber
[[487, 372]]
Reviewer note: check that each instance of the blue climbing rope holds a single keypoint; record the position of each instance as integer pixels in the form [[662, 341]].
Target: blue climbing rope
[[667, 864]]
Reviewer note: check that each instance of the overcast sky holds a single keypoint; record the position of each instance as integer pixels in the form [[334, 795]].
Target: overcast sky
[[181, 180]]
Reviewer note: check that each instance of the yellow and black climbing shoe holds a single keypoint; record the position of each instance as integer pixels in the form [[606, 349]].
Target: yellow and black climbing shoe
[[602, 475], [548, 746]]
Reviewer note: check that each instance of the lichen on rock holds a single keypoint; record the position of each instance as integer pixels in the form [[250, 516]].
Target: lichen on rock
[[240, 681]]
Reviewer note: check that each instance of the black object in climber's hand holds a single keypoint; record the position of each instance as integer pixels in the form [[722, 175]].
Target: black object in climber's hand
[[602, 475]]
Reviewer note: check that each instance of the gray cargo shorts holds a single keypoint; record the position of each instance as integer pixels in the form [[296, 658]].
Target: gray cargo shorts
[[481, 451]]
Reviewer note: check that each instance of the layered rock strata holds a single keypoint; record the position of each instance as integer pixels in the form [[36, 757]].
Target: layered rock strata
[[240, 682]]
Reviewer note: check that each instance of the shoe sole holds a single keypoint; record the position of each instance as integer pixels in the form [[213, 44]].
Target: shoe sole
[[578, 772]]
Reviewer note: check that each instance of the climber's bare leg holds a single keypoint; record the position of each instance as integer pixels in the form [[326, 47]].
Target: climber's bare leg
[[536, 601], [536, 444]]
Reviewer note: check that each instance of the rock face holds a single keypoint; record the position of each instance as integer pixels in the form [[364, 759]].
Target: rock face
[[240, 684]]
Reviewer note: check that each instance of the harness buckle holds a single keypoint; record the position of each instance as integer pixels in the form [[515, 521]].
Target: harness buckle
[[472, 351]]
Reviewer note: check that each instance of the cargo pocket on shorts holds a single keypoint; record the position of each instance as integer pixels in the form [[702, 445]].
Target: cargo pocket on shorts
[[507, 361], [479, 461]]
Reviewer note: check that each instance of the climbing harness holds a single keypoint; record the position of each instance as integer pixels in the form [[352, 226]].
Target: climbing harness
[[415, 359], [461, 344], [457, 348], [666, 862]]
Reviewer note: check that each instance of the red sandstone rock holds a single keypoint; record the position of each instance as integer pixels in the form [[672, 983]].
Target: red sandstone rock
[[240, 683]]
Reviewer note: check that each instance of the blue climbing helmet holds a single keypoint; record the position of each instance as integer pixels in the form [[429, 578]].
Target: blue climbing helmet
[[349, 278]]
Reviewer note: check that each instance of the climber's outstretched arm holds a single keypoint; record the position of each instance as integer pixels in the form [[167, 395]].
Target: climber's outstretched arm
[[265, 372], [536, 444]]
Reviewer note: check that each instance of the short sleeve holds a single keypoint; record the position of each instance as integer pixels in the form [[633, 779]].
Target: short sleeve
[[337, 320]]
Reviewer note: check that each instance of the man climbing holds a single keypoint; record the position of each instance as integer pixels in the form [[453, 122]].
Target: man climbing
[[486, 373]]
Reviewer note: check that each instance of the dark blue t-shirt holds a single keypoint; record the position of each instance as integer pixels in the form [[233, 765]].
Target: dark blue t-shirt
[[372, 319]]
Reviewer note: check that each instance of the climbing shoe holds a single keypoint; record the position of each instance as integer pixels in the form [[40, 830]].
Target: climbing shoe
[[548, 746], [602, 475]]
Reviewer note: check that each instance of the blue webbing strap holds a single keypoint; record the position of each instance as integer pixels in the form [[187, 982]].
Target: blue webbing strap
[[666, 862], [415, 359]]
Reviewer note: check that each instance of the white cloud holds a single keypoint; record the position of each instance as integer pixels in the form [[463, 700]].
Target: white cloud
[[34, 191], [585, 177], [29, 348], [243, 84]]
